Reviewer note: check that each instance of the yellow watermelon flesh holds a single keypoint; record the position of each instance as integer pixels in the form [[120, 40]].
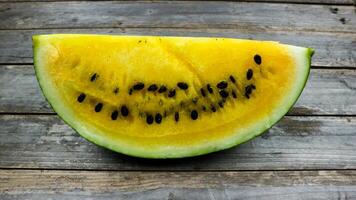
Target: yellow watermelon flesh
[[168, 97]]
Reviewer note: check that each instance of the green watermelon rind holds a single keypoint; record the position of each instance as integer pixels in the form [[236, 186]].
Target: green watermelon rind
[[88, 131]]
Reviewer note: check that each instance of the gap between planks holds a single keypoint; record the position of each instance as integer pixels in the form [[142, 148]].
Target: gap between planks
[[306, 31], [175, 170], [322, 67], [310, 2], [291, 115]]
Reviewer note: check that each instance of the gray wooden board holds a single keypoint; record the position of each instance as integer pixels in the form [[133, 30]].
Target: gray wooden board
[[280, 185], [339, 2], [296, 143], [45, 142], [178, 14], [331, 92], [331, 50], [335, 2]]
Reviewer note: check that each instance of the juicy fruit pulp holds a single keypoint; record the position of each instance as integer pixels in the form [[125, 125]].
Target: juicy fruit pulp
[[166, 97]]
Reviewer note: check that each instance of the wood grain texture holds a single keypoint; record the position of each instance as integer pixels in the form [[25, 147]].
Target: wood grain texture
[[20, 92], [78, 168], [178, 14], [281, 185], [331, 50], [337, 2], [332, 2], [45, 142]]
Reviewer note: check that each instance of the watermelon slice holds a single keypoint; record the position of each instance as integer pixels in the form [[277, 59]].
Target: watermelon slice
[[169, 97]]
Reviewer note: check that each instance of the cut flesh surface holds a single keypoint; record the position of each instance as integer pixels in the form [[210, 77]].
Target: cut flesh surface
[[169, 97]]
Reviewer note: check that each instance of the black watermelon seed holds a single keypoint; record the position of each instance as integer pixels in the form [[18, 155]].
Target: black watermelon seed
[[202, 92], [93, 77], [124, 110], [98, 107], [232, 79], [114, 115], [162, 89], [182, 85], [248, 89], [172, 93], [149, 119], [221, 104], [138, 86], [203, 108], [253, 86], [210, 89], [213, 108], [249, 74], [158, 118], [223, 93], [152, 88], [176, 116], [258, 59], [81, 97], [222, 85], [233, 93], [116, 90], [194, 115], [130, 91]]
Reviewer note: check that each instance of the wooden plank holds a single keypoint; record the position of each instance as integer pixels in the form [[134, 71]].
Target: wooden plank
[[45, 142], [20, 92], [337, 2], [178, 14], [332, 2], [279, 185], [335, 50]]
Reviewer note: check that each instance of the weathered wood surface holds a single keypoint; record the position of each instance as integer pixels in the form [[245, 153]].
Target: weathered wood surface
[[331, 50], [34, 184], [45, 142], [331, 92], [332, 2], [338, 2], [178, 14], [77, 167]]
